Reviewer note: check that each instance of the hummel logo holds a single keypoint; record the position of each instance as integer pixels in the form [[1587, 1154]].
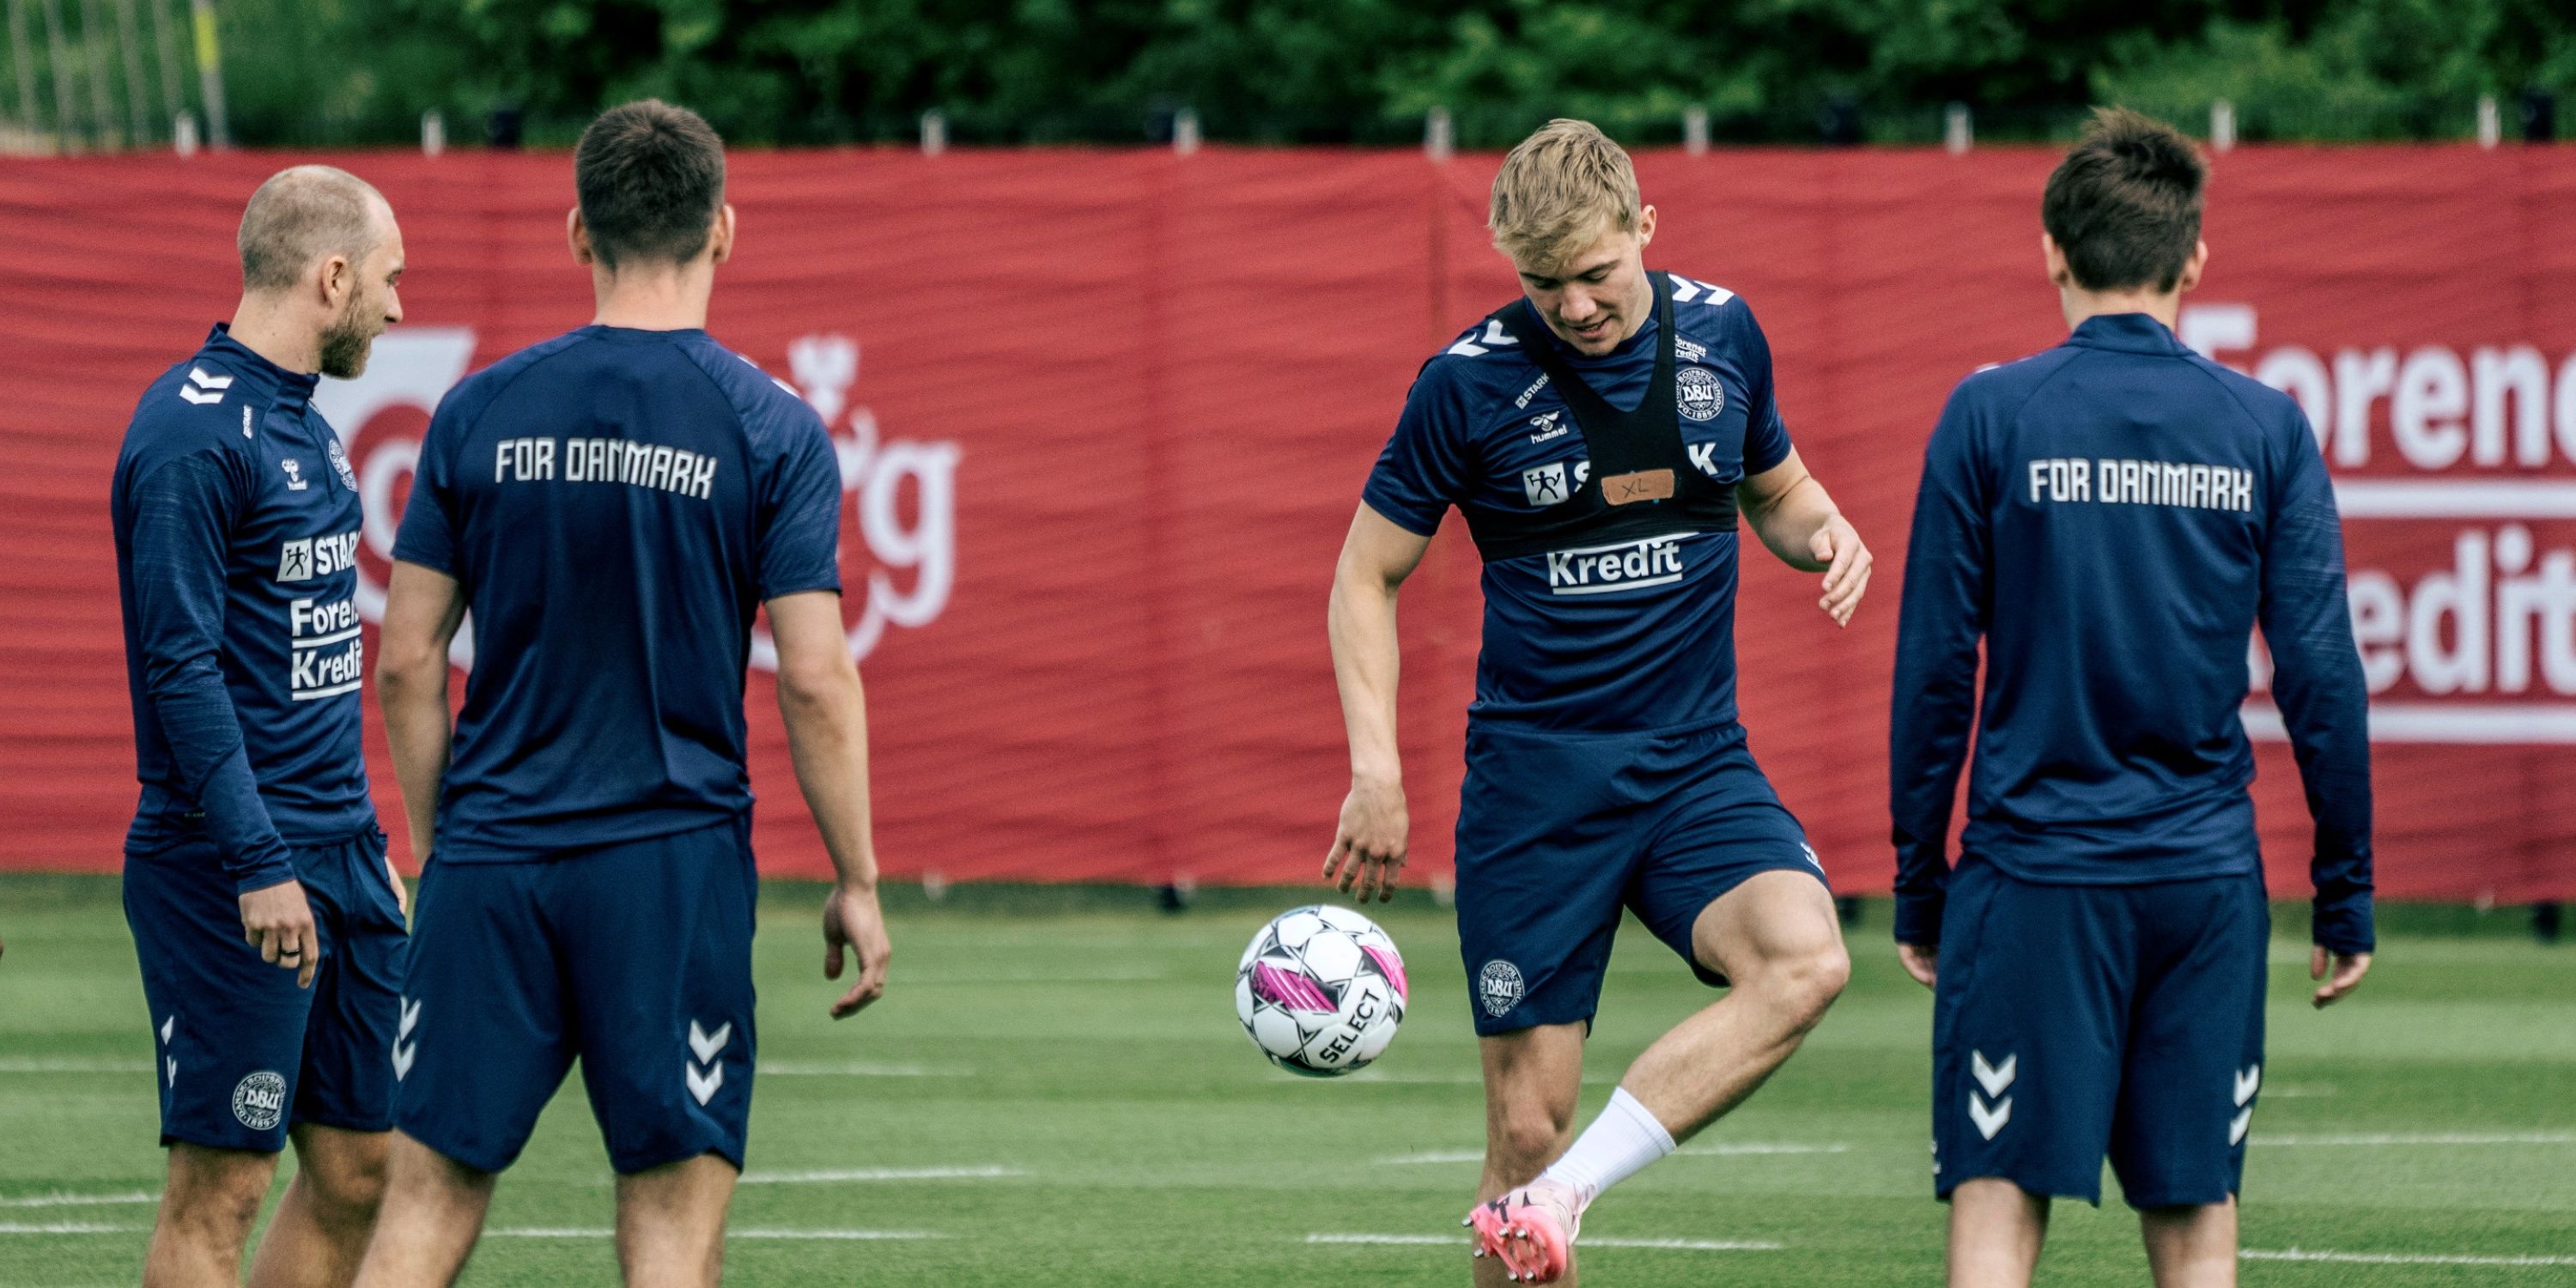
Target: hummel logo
[[1996, 1080], [405, 1052], [202, 388], [1545, 426], [709, 1046], [2248, 1080], [294, 474], [706, 1046]]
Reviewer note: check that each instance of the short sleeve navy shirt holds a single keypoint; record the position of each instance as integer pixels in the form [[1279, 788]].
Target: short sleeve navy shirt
[[615, 505], [1563, 649]]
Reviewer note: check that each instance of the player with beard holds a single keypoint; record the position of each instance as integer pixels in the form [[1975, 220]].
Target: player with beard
[[269, 924], [1599, 436]]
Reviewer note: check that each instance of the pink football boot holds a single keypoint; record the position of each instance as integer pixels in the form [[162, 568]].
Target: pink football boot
[[1531, 1229]]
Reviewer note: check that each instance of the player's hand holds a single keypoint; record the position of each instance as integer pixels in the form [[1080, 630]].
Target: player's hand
[[1837, 546], [2348, 970], [278, 921], [1922, 961], [1369, 844], [852, 921]]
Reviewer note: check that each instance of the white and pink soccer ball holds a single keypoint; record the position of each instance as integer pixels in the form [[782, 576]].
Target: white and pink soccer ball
[[1320, 990]]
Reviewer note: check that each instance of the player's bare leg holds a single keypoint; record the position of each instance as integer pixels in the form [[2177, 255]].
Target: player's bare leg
[[432, 1213], [1777, 942], [670, 1223], [1531, 1080], [1995, 1231], [320, 1231], [2191, 1247], [207, 1210]]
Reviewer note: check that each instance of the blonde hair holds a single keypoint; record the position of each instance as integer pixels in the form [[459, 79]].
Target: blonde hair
[[1555, 189]]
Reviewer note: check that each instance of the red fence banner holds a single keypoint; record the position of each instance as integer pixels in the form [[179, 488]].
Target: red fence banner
[[1103, 418]]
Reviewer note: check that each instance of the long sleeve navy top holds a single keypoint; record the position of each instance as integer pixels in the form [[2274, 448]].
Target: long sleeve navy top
[[237, 529], [2113, 518]]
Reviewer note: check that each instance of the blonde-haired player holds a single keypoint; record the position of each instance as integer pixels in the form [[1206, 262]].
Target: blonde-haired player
[[1601, 437]]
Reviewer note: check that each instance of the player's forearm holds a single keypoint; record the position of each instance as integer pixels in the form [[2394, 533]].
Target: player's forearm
[[413, 694], [179, 550], [827, 739], [1365, 666], [1788, 522], [213, 771]]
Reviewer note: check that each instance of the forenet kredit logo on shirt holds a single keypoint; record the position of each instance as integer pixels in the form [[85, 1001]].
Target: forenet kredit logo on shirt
[[2454, 468], [413, 367]]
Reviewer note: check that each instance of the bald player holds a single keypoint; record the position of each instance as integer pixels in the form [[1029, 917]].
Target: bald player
[[269, 925]]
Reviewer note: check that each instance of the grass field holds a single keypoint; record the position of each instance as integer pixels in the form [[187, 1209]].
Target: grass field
[[1059, 1094]]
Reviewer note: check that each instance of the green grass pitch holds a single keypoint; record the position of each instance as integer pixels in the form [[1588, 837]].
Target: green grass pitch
[[1055, 1091]]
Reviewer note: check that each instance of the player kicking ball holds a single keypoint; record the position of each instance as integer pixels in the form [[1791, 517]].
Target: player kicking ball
[[1600, 436], [2114, 516], [612, 505]]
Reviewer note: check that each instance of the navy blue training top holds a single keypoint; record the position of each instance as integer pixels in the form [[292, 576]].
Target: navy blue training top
[[615, 505], [2114, 516], [237, 523], [1634, 637]]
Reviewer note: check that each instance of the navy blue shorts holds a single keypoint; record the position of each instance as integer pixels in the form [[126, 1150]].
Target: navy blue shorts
[[244, 1053], [635, 957], [2075, 1021], [1558, 832]]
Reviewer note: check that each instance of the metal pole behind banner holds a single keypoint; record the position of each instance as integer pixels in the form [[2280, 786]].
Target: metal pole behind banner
[[129, 38], [210, 74], [174, 93], [58, 61], [102, 101], [19, 51]]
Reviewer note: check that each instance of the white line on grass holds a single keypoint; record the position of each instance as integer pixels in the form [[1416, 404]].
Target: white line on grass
[[853, 1069], [603, 1232], [1446, 1241], [53, 1064], [881, 1174], [2399, 1258], [2430, 1138], [1729, 1149], [81, 1200], [68, 1227]]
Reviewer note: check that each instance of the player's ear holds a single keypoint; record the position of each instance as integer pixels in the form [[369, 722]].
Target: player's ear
[[1645, 226], [2054, 258], [578, 236], [720, 238], [2193, 267], [337, 280]]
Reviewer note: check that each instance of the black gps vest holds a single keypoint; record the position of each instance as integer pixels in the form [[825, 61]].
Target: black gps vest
[[1642, 483]]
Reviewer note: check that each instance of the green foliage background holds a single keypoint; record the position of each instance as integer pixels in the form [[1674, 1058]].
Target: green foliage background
[[1330, 71]]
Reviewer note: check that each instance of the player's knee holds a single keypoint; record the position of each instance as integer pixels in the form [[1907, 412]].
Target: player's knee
[[1525, 1138], [1807, 981], [216, 1194], [349, 1188]]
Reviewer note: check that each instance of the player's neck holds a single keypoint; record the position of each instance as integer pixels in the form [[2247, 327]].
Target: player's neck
[[266, 327], [654, 299], [2081, 305]]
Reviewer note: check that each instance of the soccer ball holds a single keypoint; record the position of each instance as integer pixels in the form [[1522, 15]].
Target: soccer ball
[[1320, 990]]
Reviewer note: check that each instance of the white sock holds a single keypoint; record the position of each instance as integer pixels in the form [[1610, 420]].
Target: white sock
[[1615, 1147]]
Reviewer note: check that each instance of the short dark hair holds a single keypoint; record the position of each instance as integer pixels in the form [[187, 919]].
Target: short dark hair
[[2125, 203], [650, 178], [300, 215]]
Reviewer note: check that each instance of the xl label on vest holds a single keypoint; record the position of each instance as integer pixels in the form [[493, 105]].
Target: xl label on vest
[[1630, 565]]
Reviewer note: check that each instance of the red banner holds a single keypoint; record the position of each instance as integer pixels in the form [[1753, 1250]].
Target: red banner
[[1104, 416]]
